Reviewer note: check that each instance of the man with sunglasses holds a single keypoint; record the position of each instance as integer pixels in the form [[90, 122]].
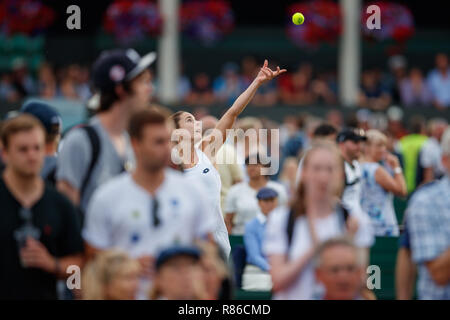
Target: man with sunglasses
[[39, 228], [150, 209]]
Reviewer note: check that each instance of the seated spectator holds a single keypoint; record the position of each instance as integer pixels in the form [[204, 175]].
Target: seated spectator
[[321, 89], [428, 221], [256, 273], [414, 91], [439, 82], [392, 82], [202, 93], [338, 270], [46, 82], [179, 275], [430, 155], [335, 118], [22, 82], [372, 95], [250, 69], [7, 91], [295, 88], [228, 86], [111, 275], [241, 205], [380, 183]]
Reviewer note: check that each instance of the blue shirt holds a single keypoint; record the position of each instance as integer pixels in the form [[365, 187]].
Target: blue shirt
[[428, 218], [254, 236], [440, 87]]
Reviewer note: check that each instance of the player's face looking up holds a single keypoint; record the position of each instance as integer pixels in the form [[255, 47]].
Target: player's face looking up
[[187, 122]]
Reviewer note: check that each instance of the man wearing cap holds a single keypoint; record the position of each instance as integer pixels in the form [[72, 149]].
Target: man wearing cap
[[123, 83], [349, 143], [256, 274], [52, 122], [179, 275]]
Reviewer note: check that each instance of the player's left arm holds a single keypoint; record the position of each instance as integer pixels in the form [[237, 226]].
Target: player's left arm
[[228, 119]]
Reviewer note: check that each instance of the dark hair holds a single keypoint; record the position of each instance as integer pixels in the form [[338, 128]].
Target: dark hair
[[176, 117], [417, 124], [23, 122], [140, 119], [323, 130], [108, 98]]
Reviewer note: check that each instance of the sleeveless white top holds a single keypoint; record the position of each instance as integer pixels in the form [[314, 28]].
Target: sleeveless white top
[[205, 173], [378, 203]]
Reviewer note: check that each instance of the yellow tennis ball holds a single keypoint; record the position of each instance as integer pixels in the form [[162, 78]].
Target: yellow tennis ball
[[298, 18]]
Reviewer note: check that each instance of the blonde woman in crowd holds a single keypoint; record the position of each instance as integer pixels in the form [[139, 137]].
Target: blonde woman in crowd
[[111, 275], [314, 216], [380, 183]]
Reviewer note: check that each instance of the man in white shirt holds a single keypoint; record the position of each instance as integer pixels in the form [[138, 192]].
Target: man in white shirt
[[151, 209], [349, 143], [430, 154]]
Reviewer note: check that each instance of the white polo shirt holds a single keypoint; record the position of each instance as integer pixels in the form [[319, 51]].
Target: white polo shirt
[[120, 215], [305, 286]]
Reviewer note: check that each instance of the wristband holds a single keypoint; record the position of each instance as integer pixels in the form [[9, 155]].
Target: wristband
[[398, 170]]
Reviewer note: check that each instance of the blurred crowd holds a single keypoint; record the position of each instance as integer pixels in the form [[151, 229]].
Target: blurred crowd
[[400, 84], [113, 199]]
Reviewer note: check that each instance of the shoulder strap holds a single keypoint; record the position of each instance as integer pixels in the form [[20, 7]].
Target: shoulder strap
[[290, 227], [344, 214], [95, 144]]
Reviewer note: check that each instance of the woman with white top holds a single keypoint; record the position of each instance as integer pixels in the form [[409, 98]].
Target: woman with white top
[[380, 183], [314, 216], [197, 154]]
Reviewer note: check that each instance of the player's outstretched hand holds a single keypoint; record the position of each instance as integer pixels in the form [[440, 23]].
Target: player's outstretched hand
[[265, 73]]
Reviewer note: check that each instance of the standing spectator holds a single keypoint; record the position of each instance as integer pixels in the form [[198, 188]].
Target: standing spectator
[[379, 183], [372, 95], [93, 154], [150, 209], [428, 221], [40, 229], [201, 93], [179, 275], [288, 176], [52, 122], [294, 233], [349, 143], [439, 82], [409, 147], [111, 275], [241, 204], [430, 154], [338, 269], [324, 131], [256, 273], [414, 90]]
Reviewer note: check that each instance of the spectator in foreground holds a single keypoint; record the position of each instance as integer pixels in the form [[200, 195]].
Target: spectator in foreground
[[430, 154], [315, 215], [52, 122], [380, 183], [112, 275], [256, 273], [179, 275], [40, 228], [428, 221], [339, 271], [150, 209], [92, 154]]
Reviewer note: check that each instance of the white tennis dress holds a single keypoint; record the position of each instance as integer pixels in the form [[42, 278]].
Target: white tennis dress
[[205, 172]]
